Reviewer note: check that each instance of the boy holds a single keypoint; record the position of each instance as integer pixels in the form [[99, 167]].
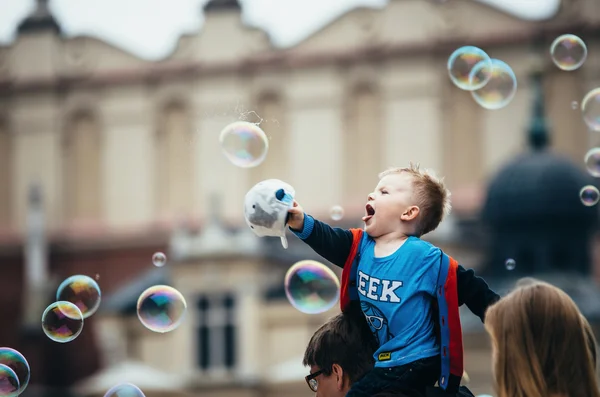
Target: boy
[[397, 276]]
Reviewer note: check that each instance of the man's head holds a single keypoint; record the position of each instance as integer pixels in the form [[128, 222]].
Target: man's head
[[339, 353], [407, 200]]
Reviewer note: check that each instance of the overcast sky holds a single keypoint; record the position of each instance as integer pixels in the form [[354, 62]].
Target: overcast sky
[[150, 28]]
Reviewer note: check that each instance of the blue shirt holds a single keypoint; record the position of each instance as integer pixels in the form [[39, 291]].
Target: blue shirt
[[397, 295]]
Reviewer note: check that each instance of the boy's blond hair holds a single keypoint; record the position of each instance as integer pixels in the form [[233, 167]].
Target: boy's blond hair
[[431, 195]]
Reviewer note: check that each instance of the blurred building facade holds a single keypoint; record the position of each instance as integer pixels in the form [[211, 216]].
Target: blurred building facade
[[126, 154]]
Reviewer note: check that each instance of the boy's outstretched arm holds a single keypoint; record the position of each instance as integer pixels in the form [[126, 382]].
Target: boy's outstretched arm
[[332, 243], [474, 292]]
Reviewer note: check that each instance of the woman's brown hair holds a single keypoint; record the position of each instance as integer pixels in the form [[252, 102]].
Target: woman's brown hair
[[540, 345]]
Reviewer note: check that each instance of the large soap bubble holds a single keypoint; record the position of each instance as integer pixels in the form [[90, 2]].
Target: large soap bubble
[[62, 321], [568, 52], [19, 365], [500, 89], [161, 308], [311, 287], [244, 144], [82, 291], [461, 64]]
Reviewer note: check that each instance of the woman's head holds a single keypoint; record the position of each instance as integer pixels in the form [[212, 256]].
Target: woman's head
[[540, 345], [591, 340]]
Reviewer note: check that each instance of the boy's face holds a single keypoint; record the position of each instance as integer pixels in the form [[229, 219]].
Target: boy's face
[[391, 203]]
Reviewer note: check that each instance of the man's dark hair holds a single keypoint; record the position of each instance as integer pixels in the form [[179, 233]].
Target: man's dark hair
[[346, 340]]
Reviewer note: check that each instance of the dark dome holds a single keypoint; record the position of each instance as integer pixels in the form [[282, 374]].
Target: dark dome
[[220, 5], [537, 190], [40, 20]]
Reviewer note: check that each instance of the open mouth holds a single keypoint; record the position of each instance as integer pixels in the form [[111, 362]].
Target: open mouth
[[370, 212]]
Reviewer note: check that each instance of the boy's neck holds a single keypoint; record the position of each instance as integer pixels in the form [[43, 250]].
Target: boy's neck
[[391, 238], [388, 244]]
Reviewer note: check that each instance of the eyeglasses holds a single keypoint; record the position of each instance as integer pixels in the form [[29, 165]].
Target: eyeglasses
[[312, 383]]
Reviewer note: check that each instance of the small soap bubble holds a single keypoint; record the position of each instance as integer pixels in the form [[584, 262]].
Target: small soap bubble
[[17, 363], [336, 213], [159, 259], [461, 64], [574, 105], [590, 109], [592, 161], [83, 291], [568, 52], [97, 277], [510, 264], [124, 390], [9, 382], [244, 144], [589, 195], [501, 87], [62, 321], [311, 287], [161, 308]]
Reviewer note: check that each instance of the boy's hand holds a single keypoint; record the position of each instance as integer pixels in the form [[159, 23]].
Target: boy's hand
[[296, 217]]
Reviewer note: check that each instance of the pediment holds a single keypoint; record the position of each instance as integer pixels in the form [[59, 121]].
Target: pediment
[[413, 22], [91, 52]]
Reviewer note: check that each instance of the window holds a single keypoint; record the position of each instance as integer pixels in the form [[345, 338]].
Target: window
[[5, 169], [174, 161], [82, 168], [362, 142], [462, 133], [216, 333], [270, 115]]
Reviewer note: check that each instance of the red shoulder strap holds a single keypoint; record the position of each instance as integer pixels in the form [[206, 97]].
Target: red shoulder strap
[[456, 341], [347, 270]]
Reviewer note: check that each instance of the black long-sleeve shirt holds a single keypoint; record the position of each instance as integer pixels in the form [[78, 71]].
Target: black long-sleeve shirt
[[334, 244]]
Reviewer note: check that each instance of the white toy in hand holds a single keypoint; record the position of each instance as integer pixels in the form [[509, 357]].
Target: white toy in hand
[[266, 208]]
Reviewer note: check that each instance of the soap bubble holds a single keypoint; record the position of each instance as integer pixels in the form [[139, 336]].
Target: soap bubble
[[9, 382], [592, 161], [159, 259], [510, 264], [83, 291], [589, 195], [336, 213], [62, 321], [124, 390], [311, 287], [244, 144], [590, 108], [161, 308], [501, 87], [461, 64], [574, 105], [17, 363], [568, 52]]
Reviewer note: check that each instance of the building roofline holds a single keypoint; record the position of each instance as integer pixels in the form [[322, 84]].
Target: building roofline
[[282, 59]]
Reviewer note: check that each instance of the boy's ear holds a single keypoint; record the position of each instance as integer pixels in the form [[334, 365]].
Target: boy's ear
[[411, 213]]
